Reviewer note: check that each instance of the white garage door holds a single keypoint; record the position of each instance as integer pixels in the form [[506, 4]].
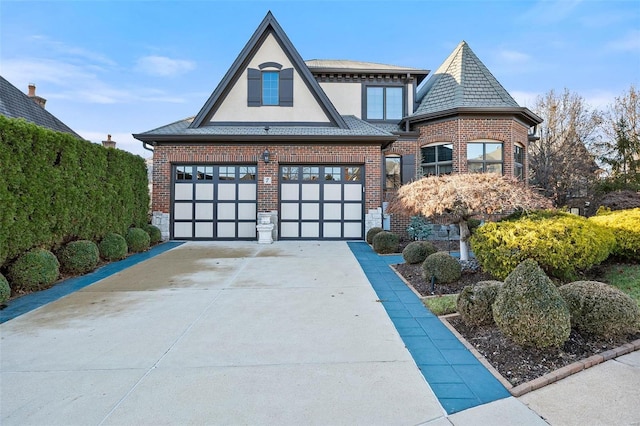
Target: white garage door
[[213, 202], [321, 202]]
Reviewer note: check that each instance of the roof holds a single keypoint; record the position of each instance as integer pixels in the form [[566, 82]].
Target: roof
[[16, 104], [359, 66], [462, 81], [269, 25], [183, 131]]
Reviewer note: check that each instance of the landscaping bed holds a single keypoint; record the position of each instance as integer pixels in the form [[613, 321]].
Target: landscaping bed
[[515, 363]]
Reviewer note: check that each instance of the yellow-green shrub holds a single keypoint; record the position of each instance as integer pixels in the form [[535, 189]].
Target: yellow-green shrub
[[561, 243], [625, 225]]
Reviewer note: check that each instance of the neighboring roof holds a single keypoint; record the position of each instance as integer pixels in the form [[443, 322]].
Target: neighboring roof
[[16, 104], [359, 66], [182, 130], [269, 25]]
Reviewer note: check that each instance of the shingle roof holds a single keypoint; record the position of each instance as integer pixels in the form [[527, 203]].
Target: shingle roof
[[16, 104], [462, 81], [181, 129], [343, 64]]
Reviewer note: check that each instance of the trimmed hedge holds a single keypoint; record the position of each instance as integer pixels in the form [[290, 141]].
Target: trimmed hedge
[[113, 247], [79, 257], [5, 290], [36, 269], [474, 303], [386, 242], [155, 235], [443, 266], [372, 233], [625, 225], [59, 188], [561, 243], [137, 240], [600, 309], [530, 310], [417, 251]]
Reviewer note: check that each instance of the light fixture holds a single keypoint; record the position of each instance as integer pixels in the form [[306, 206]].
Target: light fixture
[[265, 155]]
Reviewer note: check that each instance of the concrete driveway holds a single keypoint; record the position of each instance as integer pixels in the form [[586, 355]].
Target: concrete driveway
[[216, 333]]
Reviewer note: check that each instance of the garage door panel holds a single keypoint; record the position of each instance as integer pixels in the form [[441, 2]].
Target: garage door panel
[[290, 191], [204, 211], [310, 191], [226, 211], [310, 230], [247, 192], [183, 211], [352, 230], [226, 191], [226, 229], [183, 230], [247, 230], [204, 230], [204, 192], [332, 211], [183, 191], [332, 192], [290, 211], [332, 230], [289, 230], [247, 211], [352, 211], [353, 192], [310, 211]]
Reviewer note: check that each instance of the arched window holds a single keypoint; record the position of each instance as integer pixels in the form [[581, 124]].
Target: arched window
[[485, 156], [392, 168], [437, 159]]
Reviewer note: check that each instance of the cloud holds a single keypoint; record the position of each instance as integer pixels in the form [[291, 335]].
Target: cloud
[[629, 43], [163, 66], [63, 49]]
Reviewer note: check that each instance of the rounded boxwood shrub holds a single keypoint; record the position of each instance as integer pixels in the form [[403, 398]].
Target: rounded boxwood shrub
[[474, 302], [138, 240], [530, 310], [386, 242], [600, 309], [5, 290], [417, 251], [443, 266], [625, 225], [561, 243], [113, 247], [155, 235], [36, 269], [372, 233], [79, 257]]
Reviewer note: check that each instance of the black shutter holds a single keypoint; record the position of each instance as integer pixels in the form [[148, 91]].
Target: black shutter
[[408, 168], [286, 87], [254, 95]]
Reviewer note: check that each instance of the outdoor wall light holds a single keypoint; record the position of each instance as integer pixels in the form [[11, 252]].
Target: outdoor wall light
[[265, 155]]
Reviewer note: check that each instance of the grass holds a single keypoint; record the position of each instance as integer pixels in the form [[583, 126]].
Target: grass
[[441, 305], [625, 277]]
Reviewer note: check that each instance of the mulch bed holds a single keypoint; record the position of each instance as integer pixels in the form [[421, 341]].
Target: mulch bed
[[515, 363]]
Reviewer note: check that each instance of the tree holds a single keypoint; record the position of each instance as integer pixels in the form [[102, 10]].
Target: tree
[[559, 161], [459, 197], [620, 149]]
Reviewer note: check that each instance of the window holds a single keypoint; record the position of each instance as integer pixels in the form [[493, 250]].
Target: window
[[518, 161], [332, 173], [352, 174], [310, 173], [484, 157], [392, 169], [437, 159], [270, 85], [384, 103]]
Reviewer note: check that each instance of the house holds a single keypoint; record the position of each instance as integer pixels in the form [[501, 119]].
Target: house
[[317, 147], [15, 104]]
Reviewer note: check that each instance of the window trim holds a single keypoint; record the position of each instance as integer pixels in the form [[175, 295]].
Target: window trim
[[484, 160], [519, 165], [437, 163], [397, 182], [384, 86]]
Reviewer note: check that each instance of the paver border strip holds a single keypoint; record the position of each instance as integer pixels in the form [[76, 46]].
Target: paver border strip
[[29, 302]]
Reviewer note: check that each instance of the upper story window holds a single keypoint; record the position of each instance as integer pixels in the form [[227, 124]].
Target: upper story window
[[484, 157], [518, 161], [270, 85], [384, 103], [437, 159], [392, 168]]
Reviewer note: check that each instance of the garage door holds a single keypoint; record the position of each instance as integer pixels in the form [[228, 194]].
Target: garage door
[[214, 202], [324, 202]]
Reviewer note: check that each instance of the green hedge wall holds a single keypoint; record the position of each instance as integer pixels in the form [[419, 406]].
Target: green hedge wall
[[55, 188]]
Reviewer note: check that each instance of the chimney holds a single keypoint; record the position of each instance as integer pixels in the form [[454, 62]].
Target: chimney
[[109, 143], [32, 94]]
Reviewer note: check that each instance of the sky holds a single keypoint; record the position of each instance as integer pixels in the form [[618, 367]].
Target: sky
[[122, 67]]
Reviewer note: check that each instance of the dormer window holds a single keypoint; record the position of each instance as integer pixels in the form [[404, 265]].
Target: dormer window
[[270, 85], [384, 103]]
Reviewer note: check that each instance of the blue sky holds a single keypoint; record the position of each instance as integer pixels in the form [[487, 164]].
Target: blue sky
[[123, 67]]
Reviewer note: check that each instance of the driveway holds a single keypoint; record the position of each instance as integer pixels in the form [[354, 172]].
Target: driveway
[[223, 333]]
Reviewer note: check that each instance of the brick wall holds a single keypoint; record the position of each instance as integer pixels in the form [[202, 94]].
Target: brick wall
[[166, 155]]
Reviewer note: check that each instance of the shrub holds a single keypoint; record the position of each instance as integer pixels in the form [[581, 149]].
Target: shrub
[[419, 228], [372, 233], [473, 224], [475, 301], [385, 242], [113, 247], [600, 309], [36, 269], [625, 225], [137, 239], [530, 310], [561, 243], [443, 266], [79, 257], [5, 290], [155, 235], [417, 251]]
